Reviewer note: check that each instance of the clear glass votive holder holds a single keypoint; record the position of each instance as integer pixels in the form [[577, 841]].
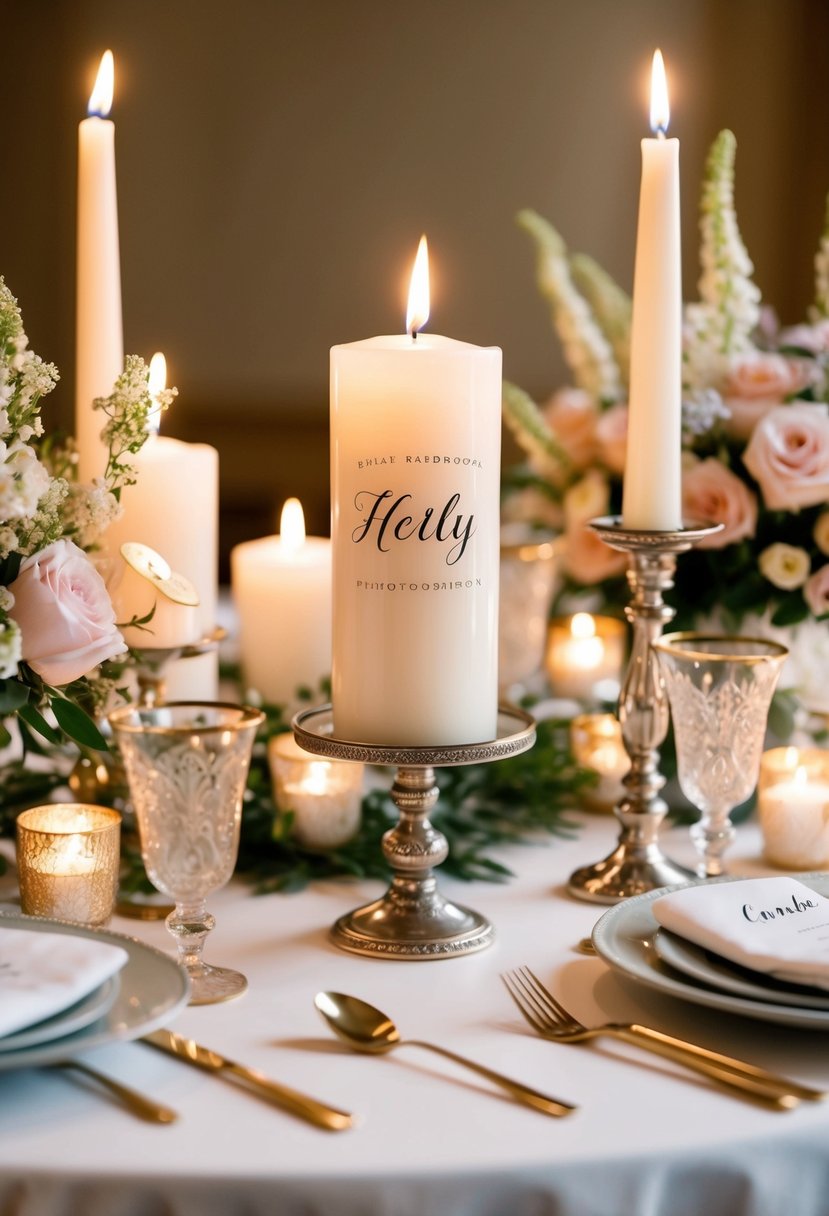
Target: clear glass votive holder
[[528, 576], [324, 796], [585, 656], [68, 858], [596, 741], [793, 807]]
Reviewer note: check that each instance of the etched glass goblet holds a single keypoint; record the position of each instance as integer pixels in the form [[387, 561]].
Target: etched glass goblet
[[187, 767], [719, 689]]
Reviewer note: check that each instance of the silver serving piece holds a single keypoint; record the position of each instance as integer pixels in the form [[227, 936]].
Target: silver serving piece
[[637, 864], [413, 920]]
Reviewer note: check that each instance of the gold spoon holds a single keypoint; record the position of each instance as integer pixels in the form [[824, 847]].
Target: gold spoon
[[366, 1029]]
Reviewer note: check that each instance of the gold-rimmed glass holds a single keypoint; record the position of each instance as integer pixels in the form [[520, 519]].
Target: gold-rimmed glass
[[187, 765], [719, 689]]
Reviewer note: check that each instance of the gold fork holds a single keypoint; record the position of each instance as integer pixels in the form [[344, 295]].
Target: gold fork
[[552, 1021]]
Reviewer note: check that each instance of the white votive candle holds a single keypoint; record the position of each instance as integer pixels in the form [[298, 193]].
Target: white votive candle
[[282, 593], [793, 807], [597, 744], [583, 653], [323, 796]]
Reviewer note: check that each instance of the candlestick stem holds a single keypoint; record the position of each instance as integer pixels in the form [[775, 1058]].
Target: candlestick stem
[[413, 919], [637, 864]]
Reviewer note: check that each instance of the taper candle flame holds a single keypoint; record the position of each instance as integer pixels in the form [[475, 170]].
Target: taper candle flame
[[660, 109], [100, 99], [417, 313], [292, 526], [156, 383]]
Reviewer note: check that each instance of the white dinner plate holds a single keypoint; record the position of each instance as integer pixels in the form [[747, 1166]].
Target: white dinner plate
[[624, 938], [726, 976], [85, 1011], [152, 987]]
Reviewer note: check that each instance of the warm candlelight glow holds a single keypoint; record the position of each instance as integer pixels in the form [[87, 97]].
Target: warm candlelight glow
[[292, 526], [157, 382], [660, 109], [100, 99], [793, 807], [584, 652], [417, 313], [583, 625], [317, 780]]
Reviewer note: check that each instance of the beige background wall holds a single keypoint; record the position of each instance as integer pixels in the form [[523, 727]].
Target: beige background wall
[[278, 160]]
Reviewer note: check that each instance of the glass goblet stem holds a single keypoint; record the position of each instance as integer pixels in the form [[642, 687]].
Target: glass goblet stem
[[190, 924], [712, 835]]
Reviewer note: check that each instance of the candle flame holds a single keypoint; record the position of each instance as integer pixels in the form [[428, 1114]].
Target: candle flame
[[417, 313], [583, 625], [800, 776], [317, 780], [100, 99], [660, 109], [156, 383], [292, 526]]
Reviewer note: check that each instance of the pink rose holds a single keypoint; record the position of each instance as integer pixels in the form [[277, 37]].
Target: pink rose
[[589, 560], [711, 492], [814, 338], [612, 436], [816, 591], [788, 455], [571, 414], [755, 384], [65, 616]]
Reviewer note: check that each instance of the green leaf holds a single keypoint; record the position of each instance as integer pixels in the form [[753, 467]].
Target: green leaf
[[791, 610], [35, 719], [13, 694], [528, 426], [78, 725]]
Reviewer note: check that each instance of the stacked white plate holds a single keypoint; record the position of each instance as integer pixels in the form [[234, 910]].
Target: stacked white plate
[[145, 993], [630, 941]]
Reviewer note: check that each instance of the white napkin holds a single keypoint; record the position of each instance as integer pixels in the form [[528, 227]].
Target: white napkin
[[776, 926], [44, 973]]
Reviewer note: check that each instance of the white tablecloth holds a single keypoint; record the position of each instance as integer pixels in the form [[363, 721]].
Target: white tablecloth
[[648, 1139]]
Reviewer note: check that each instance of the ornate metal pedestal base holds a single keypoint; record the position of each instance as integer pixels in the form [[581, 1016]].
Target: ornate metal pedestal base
[[637, 864], [413, 920]]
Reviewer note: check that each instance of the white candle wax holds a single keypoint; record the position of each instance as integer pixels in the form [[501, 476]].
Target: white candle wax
[[324, 796], [99, 342], [652, 497], [174, 509], [794, 818], [146, 585], [282, 593], [415, 474]]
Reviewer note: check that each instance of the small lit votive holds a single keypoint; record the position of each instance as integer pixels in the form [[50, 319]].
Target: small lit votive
[[324, 796], [793, 807], [68, 857], [596, 740], [585, 655]]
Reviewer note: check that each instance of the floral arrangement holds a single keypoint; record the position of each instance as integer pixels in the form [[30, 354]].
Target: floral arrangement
[[57, 624], [755, 438]]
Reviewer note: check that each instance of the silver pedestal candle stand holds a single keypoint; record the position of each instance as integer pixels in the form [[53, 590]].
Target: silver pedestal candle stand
[[637, 864], [413, 920]]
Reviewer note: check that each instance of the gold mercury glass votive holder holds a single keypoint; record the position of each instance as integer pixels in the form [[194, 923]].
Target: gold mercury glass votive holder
[[793, 807], [597, 744], [324, 796], [585, 656], [528, 579], [68, 857]]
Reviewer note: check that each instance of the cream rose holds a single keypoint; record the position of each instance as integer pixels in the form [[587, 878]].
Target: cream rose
[[787, 566], [66, 620], [788, 455], [816, 591], [756, 383], [821, 532], [711, 492]]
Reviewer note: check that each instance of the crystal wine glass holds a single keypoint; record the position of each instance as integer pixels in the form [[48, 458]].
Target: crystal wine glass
[[719, 689], [187, 767]]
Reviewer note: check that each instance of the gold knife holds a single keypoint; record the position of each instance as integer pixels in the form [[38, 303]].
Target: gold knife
[[291, 1100]]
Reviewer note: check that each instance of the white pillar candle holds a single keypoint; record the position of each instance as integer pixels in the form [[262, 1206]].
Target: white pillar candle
[[652, 499], [282, 593], [99, 341], [415, 475], [174, 508]]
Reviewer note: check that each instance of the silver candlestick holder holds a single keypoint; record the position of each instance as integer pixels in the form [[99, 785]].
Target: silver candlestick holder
[[413, 920], [637, 864]]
